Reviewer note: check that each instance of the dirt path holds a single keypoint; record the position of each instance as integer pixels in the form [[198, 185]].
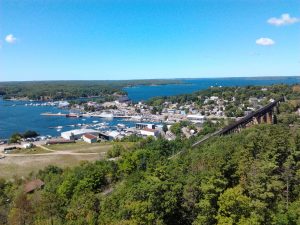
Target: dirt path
[[45, 148]]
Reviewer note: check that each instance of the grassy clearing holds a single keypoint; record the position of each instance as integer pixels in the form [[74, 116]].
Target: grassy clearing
[[19, 166], [296, 88], [80, 146], [23, 166], [83, 147]]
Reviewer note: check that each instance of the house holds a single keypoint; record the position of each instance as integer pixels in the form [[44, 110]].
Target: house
[[33, 185], [196, 118], [171, 111], [144, 125], [63, 104], [27, 145], [123, 99], [253, 101], [214, 98], [89, 138], [149, 132]]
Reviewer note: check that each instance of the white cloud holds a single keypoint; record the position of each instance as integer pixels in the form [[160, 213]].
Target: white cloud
[[265, 41], [285, 19], [10, 39]]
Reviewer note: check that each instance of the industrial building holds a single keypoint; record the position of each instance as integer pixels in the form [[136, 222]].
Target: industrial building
[[77, 134]]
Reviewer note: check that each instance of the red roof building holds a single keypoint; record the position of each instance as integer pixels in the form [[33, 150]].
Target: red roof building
[[89, 138], [33, 185]]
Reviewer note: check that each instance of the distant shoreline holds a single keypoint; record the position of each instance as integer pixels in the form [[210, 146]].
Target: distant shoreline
[[158, 79], [121, 86]]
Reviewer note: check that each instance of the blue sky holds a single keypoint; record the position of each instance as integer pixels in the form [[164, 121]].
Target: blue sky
[[126, 39]]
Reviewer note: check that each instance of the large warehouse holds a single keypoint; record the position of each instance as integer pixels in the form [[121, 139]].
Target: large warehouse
[[77, 134]]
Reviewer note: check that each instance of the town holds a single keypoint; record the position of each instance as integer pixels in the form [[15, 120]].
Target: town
[[200, 114]]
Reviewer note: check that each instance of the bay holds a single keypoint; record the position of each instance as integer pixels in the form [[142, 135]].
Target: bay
[[139, 93], [16, 117]]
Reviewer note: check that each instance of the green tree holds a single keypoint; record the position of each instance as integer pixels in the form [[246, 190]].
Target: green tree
[[234, 206]]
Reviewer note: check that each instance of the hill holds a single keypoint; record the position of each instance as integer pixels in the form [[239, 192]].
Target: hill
[[246, 178]]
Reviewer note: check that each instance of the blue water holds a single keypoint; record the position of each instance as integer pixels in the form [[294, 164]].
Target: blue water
[[20, 118], [190, 85]]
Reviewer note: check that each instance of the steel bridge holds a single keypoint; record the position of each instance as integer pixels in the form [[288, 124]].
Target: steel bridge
[[262, 115]]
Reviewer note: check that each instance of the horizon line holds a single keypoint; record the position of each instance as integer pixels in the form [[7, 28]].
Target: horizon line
[[174, 78]]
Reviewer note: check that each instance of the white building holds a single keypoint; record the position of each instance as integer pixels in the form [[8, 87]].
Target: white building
[[63, 104], [77, 134], [149, 132], [27, 145], [197, 118], [114, 135], [214, 98]]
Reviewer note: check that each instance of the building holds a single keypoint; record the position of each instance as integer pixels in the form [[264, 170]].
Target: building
[[77, 134], [149, 132], [123, 99], [27, 145], [144, 125], [113, 135], [63, 104], [253, 101], [197, 118], [89, 138], [33, 185], [214, 98]]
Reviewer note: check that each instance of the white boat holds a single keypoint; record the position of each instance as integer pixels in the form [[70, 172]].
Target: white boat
[[106, 115], [121, 125]]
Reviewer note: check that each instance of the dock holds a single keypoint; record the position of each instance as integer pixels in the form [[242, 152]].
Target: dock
[[53, 114]]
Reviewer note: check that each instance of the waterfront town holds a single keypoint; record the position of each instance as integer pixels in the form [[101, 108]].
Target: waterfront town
[[145, 119]]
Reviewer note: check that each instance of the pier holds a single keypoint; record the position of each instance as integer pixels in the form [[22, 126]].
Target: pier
[[53, 114]]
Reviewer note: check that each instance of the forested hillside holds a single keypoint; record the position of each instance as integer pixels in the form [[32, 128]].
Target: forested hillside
[[57, 90], [247, 178]]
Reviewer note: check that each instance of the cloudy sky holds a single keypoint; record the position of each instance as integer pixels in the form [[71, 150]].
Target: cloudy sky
[[126, 39]]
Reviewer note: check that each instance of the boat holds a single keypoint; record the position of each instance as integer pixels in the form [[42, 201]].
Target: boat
[[76, 115], [121, 125], [106, 115]]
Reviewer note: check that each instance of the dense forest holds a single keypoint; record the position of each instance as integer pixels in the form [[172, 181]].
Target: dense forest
[[57, 90], [251, 177]]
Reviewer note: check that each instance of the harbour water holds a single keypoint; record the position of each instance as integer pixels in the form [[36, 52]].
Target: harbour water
[[16, 117]]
